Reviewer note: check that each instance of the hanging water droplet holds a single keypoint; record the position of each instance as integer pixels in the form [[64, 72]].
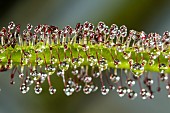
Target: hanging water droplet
[[117, 62], [60, 73], [87, 89], [126, 55], [162, 67], [148, 81], [131, 94], [28, 81], [114, 78], [154, 53], [145, 94], [35, 75], [11, 25], [52, 90], [77, 87], [87, 79], [92, 60], [96, 75], [64, 66], [102, 64], [38, 89], [104, 90], [39, 61], [120, 47], [130, 82], [53, 60], [122, 91], [21, 75], [75, 72], [137, 69], [50, 69], [24, 88], [94, 88], [76, 62], [43, 77], [163, 77], [68, 90], [123, 31], [24, 61]]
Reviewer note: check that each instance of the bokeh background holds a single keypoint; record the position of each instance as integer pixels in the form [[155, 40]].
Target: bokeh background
[[147, 15]]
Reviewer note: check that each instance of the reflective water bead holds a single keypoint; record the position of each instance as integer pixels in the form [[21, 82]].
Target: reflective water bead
[[68, 90], [145, 94], [60, 73], [137, 69], [64, 66], [130, 82], [104, 90], [96, 75], [24, 88], [117, 62], [114, 78], [162, 67], [123, 31], [132, 94], [52, 90], [121, 91], [92, 60], [148, 81], [87, 89], [76, 62], [163, 77], [28, 81], [87, 79], [77, 87], [103, 64], [94, 88], [38, 89], [21, 75], [39, 61], [50, 69], [75, 72], [35, 75], [53, 60], [101, 26], [11, 25]]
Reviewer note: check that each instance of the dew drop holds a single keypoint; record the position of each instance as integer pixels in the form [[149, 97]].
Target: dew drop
[[52, 90], [35, 75], [114, 78], [144, 94], [162, 67], [24, 88], [103, 64], [137, 69], [64, 66], [28, 81], [92, 60], [132, 94], [38, 89], [50, 69], [122, 91], [87, 89], [130, 82], [104, 90]]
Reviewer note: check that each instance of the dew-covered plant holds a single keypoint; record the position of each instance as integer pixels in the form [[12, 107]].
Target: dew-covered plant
[[82, 54]]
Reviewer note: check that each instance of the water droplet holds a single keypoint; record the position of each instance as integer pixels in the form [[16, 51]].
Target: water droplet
[[132, 94], [29, 27], [113, 31], [11, 25], [114, 78], [77, 87], [117, 62], [24, 61], [92, 60], [123, 31], [163, 77], [148, 81], [68, 90], [64, 66], [38, 89], [162, 67], [126, 55], [104, 90], [137, 69], [122, 91], [96, 75], [75, 72], [101, 26], [94, 88], [87, 89], [130, 82], [52, 90], [103, 64], [76, 62], [39, 61], [87, 79], [50, 69], [145, 94], [24, 88], [21, 75], [154, 53], [28, 81], [35, 75], [60, 73], [53, 60]]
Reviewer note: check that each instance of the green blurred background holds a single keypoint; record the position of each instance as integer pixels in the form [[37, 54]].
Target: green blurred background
[[147, 15]]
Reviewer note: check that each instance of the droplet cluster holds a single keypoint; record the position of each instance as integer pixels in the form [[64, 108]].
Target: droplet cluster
[[114, 56]]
